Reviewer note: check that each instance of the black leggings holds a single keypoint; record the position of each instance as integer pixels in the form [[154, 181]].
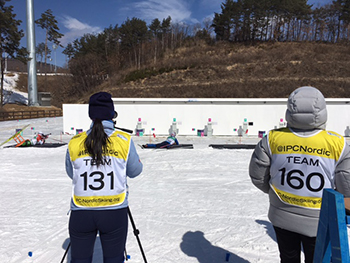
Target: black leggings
[[112, 226], [158, 145], [289, 245]]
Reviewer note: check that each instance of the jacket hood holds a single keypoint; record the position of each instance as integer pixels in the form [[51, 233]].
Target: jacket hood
[[306, 109]]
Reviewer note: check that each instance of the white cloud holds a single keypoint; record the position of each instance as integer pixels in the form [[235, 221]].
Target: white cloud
[[178, 10], [76, 29], [212, 4]]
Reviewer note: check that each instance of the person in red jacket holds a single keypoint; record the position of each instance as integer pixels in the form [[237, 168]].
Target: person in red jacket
[[38, 139]]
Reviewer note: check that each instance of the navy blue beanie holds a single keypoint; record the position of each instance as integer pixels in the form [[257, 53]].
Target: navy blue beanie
[[101, 106]]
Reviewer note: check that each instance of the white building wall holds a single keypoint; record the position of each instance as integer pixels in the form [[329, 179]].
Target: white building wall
[[226, 115]]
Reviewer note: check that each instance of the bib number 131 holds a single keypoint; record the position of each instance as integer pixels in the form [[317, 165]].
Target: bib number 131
[[98, 180], [295, 179]]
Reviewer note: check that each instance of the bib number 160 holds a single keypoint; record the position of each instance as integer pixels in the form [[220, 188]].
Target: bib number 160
[[294, 179], [98, 180]]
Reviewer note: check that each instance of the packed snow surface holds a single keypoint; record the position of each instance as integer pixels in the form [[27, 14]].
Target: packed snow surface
[[190, 205]]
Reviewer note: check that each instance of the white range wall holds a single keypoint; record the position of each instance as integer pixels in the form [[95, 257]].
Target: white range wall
[[226, 115]]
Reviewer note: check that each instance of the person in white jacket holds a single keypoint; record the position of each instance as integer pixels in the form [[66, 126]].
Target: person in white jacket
[[293, 165]]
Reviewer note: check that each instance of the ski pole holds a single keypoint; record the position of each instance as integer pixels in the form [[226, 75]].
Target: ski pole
[[126, 255], [65, 253], [136, 233]]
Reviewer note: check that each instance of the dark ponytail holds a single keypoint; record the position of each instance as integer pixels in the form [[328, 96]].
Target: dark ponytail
[[96, 142]]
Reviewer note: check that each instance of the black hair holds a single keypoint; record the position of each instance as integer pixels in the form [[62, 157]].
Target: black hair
[[96, 142]]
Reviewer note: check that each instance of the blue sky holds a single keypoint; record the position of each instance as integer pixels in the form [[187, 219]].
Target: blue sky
[[78, 17]]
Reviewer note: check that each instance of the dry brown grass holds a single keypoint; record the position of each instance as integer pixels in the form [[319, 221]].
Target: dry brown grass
[[57, 85], [225, 70], [238, 71]]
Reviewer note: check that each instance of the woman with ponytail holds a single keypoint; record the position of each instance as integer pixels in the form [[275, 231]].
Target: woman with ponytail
[[99, 161]]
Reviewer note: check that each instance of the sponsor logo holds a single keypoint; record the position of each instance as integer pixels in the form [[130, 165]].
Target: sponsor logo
[[108, 152], [303, 149]]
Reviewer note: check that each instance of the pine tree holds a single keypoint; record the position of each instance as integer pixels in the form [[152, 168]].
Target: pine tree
[[155, 28], [40, 51], [48, 22], [224, 22], [133, 33], [10, 37]]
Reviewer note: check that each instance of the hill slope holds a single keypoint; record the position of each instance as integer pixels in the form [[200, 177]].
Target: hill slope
[[236, 71], [223, 70]]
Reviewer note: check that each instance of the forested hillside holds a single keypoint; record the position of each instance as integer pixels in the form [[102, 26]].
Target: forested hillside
[[251, 49], [223, 70]]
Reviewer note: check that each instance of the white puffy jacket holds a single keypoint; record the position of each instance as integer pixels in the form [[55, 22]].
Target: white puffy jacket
[[306, 114]]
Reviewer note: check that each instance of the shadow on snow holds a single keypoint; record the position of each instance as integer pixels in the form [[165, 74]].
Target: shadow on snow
[[269, 228], [194, 244]]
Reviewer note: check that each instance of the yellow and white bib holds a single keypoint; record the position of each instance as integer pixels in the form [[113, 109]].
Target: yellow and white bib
[[104, 185], [301, 167]]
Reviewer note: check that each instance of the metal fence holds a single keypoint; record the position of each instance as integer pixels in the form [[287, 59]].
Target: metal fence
[[19, 115]]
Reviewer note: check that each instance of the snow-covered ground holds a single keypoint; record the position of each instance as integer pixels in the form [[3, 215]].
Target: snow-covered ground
[[11, 95], [190, 205]]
